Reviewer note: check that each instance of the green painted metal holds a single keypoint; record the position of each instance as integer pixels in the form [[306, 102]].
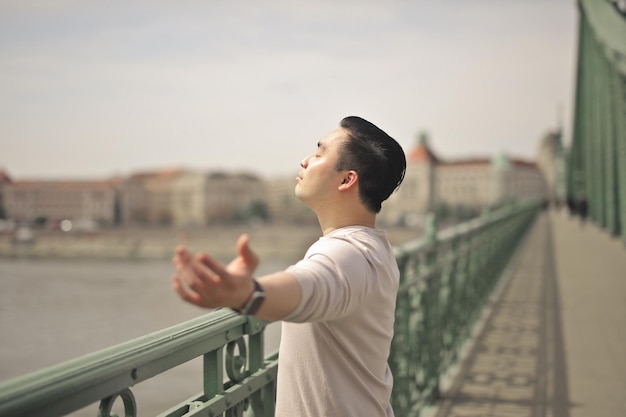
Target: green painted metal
[[597, 158], [445, 279], [67, 387]]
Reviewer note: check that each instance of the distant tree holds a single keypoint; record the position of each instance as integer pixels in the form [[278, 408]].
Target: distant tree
[[259, 210], [40, 221]]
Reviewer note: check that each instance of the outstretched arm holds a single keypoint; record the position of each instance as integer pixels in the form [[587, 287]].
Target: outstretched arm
[[203, 281]]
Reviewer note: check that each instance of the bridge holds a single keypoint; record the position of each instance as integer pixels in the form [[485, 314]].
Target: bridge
[[519, 312], [552, 339], [552, 342]]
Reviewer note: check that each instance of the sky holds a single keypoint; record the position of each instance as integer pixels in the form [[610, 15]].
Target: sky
[[95, 89]]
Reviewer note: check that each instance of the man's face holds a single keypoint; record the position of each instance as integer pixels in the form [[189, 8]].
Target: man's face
[[318, 179]]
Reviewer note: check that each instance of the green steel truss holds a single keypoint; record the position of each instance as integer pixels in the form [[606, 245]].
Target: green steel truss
[[597, 158]]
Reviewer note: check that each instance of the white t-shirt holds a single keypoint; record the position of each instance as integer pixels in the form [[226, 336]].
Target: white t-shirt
[[335, 345]]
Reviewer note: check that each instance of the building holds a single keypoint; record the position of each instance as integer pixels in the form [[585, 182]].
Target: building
[[53, 201], [190, 198], [145, 197], [459, 188], [415, 197], [234, 197]]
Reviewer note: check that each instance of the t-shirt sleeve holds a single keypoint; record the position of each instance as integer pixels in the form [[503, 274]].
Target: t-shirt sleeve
[[334, 279]]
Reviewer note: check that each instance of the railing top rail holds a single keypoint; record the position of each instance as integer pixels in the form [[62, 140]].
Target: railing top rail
[[464, 228], [94, 376]]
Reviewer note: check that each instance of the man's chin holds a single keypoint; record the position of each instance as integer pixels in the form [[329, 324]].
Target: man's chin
[[298, 192]]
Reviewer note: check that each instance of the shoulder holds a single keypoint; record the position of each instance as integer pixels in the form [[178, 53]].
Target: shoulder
[[351, 242]]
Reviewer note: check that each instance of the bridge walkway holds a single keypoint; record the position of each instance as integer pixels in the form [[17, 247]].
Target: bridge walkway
[[553, 341]]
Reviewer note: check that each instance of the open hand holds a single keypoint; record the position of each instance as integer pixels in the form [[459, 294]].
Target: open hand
[[203, 281]]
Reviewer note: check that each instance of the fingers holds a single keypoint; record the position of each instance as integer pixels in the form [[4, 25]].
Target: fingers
[[190, 297], [243, 249], [178, 286], [182, 252], [192, 273], [204, 263], [206, 267], [181, 257], [196, 290], [242, 243], [199, 279], [204, 281]]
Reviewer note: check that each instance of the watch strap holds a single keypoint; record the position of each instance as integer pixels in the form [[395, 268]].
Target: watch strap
[[254, 302]]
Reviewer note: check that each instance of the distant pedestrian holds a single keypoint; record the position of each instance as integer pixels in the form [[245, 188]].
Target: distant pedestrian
[[338, 303], [571, 205], [582, 206]]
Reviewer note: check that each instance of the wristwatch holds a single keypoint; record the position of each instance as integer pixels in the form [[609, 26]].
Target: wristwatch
[[254, 302]]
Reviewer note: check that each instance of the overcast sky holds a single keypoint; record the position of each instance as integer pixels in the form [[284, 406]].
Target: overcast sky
[[102, 88]]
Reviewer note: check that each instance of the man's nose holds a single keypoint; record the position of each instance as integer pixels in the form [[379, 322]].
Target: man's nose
[[305, 162]]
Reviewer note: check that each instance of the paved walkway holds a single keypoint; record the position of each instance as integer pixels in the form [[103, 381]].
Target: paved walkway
[[554, 342]]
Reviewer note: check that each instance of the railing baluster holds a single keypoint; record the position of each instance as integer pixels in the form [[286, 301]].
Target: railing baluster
[[213, 374]]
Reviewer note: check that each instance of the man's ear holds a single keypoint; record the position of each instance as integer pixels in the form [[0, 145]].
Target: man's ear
[[350, 179]]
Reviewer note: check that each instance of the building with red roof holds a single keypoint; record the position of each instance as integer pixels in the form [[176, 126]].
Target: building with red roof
[[466, 185]]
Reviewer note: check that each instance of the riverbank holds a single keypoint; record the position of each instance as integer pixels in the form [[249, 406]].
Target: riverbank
[[288, 242]]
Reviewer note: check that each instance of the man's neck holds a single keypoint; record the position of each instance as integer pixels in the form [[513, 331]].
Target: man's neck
[[330, 223]]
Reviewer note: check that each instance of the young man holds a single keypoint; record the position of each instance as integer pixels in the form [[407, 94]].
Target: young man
[[338, 303]]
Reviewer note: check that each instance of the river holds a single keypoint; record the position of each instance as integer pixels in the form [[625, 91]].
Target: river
[[56, 309], [52, 311]]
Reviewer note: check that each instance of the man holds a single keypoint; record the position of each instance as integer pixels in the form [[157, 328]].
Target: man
[[338, 303]]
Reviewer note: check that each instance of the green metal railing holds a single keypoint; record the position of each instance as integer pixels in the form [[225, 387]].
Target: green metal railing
[[445, 280], [108, 375]]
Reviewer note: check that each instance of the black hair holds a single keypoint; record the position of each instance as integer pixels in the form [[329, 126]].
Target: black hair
[[375, 156]]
